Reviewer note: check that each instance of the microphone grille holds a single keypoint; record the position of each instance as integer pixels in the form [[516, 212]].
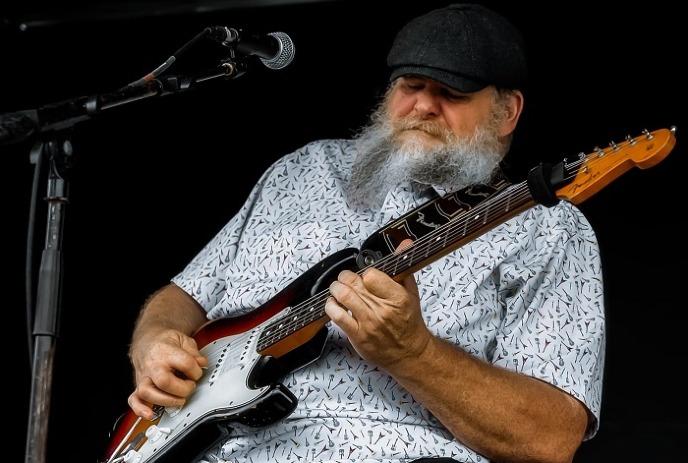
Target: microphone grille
[[285, 55]]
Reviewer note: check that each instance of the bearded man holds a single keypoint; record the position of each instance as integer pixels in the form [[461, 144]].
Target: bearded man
[[494, 351]]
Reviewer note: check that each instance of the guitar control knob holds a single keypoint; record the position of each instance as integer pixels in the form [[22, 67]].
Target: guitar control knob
[[153, 433], [132, 456]]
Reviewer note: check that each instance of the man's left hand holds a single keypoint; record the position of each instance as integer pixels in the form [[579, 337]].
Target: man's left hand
[[381, 317]]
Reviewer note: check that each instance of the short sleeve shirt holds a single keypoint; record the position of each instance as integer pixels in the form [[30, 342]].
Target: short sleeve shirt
[[525, 296]]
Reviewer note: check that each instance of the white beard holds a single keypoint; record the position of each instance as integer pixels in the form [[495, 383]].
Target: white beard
[[383, 161]]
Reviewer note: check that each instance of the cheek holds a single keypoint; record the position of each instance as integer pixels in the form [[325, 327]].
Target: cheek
[[400, 105], [465, 123]]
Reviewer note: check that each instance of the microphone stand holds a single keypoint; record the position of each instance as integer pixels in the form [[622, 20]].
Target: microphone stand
[[52, 124]]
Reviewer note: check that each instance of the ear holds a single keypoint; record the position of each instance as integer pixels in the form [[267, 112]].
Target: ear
[[514, 107]]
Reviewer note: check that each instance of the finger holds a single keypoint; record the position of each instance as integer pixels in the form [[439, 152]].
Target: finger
[[186, 364], [403, 246], [140, 407], [190, 346], [165, 380], [351, 279], [409, 283], [340, 316], [351, 299], [202, 361], [148, 392], [381, 285]]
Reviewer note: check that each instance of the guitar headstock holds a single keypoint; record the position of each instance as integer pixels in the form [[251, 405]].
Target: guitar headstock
[[592, 172]]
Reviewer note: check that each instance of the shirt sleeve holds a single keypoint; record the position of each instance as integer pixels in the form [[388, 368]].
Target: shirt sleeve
[[554, 328], [204, 277]]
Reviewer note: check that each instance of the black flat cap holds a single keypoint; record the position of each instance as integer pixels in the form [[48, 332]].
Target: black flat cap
[[464, 46]]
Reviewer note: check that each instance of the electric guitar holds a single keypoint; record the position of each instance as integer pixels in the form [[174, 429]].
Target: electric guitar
[[248, 354]]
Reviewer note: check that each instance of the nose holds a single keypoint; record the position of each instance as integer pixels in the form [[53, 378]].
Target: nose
[[427, 104]]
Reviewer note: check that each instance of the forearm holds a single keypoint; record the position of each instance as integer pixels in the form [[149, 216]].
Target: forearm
[[169, 308], [501, 414]]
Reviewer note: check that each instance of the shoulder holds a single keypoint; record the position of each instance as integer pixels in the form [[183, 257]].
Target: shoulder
[[316, 163], [540, 230], [567, 220], [324, 158], [562, 220], [319, 152]]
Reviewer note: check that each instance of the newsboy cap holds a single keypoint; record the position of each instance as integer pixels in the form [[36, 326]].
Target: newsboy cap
[[464, 46]]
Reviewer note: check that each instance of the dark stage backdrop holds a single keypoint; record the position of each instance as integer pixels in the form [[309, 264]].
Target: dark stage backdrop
[[156, 180]]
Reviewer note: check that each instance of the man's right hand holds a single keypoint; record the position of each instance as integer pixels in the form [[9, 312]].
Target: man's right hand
[[167, 364]]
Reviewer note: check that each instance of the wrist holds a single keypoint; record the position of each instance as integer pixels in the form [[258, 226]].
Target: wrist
[[419, 360], [144, 335]]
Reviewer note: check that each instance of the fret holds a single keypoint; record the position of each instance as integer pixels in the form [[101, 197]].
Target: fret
[[476, 218], [412, 257], [487, 212], [406, 260], [435, 242], [508, 203]]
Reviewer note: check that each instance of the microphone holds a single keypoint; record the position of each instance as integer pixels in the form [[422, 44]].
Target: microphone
[[275, 50]]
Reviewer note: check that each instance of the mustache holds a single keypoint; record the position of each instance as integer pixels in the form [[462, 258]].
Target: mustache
[[432, 128]]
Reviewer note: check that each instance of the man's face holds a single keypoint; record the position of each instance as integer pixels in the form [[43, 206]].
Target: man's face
[[421, 109], [429, 134]]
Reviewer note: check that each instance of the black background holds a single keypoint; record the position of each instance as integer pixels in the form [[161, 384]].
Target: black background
[[154, 181]]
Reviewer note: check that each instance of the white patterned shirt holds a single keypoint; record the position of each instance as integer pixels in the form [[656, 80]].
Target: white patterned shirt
[[526, 296]]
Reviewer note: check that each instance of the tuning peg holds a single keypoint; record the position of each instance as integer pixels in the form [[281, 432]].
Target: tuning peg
[[647, 134], [631, 141], [599, 151], [581, 156], [673, 129], [614, 146]]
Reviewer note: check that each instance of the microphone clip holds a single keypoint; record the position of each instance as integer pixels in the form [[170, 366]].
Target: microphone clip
[[227, 36]]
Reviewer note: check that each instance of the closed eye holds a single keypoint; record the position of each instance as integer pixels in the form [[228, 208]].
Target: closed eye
[[414, 86], [453, 96]]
